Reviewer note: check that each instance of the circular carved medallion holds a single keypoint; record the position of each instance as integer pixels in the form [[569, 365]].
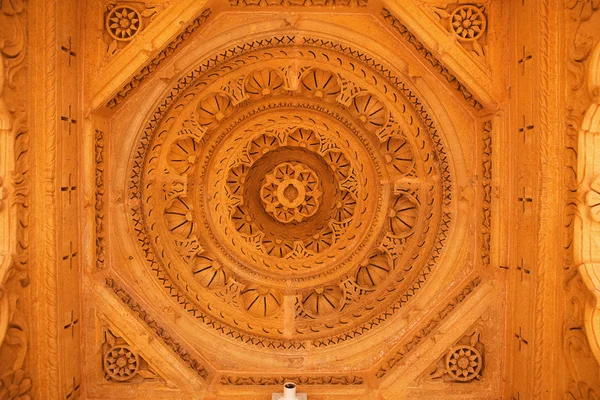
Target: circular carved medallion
[[291, 201], [468, 22], [123, 23], [463, 363], [121, 363], [291, 192]]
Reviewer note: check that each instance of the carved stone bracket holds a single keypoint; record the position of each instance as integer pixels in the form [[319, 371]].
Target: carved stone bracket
[[161, 333], [463, 362], [124, 20], [168, 51], [14, 196], [467, 22], [433, 61]]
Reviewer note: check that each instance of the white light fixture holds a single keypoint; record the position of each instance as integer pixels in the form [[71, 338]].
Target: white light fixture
[[289, 393]]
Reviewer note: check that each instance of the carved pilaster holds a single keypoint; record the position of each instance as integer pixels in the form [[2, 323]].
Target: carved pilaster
[[14, 202]]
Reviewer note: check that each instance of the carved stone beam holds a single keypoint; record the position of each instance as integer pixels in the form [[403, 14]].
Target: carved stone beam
[[8, 213], [5, 225]]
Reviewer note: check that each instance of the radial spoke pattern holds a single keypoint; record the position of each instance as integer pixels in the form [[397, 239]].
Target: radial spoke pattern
[[321, 84]]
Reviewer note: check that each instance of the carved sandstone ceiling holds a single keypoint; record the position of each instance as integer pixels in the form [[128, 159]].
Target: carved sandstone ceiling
[[290, 202]]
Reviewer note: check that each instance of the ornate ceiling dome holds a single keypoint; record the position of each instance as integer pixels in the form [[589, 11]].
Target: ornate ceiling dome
[[290, 194], [370, 199]]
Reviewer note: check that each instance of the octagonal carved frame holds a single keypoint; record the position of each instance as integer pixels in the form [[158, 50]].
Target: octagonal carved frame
[[236, 96]]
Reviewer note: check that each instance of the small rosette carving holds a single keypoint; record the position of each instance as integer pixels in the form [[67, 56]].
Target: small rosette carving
[[260, 302], [213, 109], [370, 111], [398, 155], [208, 272], [321, 84], [304, 138], [121, 363], [182, 155], [262, 83], [403, 216], [463, 363], [291, 192], [322, 301], [236, 178], [261, 145], [339, 164], [373, 271], [468, 22], [180, 218]]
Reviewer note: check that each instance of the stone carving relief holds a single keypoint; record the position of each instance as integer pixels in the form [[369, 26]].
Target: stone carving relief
[[251, 197], [582, 367], [581, 339], [581, 13], [338, 380], [123, 20], [167, 52], [287, 193], [592, 199], [14, 202], [409, 345], [486, 225], [122, 363], [99, 206], [585, 60], [185, 355], [587, 232], [468, 23], [463, 362], [14, 380], [267, 3], [422, 50]]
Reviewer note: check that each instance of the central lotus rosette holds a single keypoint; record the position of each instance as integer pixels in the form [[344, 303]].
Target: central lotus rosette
[[291, 192]]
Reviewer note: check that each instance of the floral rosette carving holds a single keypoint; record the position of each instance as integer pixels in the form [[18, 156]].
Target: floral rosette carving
[[121, 363], [463, 363], [468, 22], [123, 22], [291, 192]]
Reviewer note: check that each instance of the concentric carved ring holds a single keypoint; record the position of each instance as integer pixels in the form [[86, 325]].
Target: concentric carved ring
[[284, 214], [309, 207]]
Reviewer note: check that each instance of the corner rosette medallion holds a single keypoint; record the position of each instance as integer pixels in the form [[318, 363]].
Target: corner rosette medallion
[[123, 22]]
